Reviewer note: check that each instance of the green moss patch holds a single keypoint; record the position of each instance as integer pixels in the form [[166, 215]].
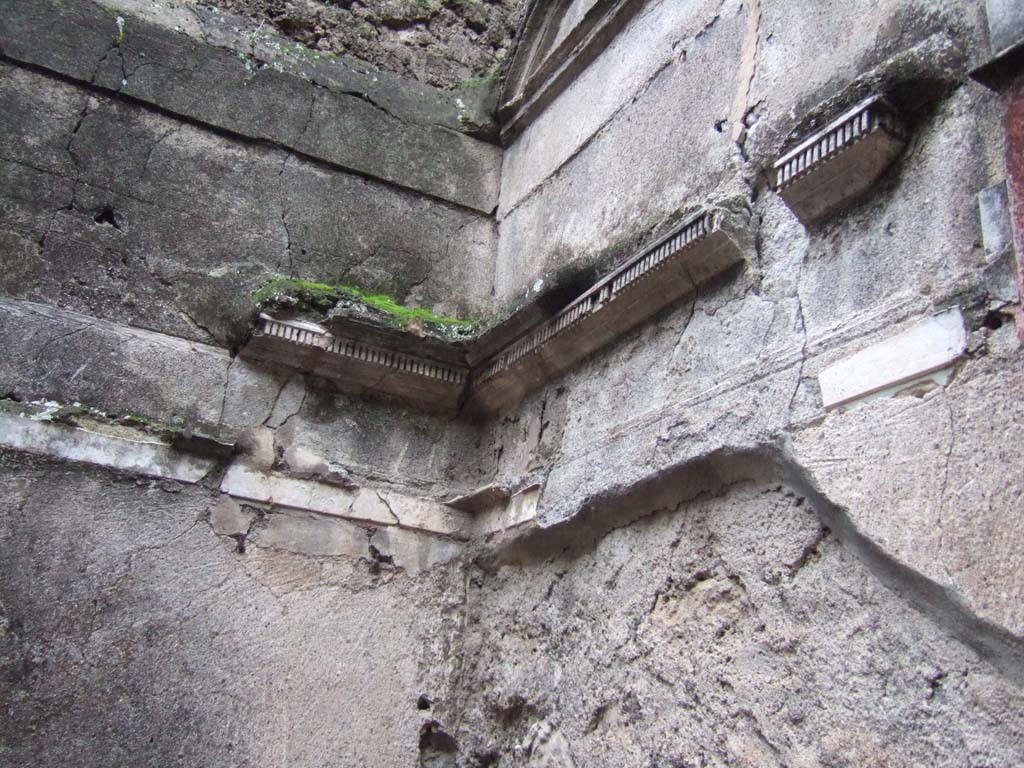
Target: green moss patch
[[321, 298]]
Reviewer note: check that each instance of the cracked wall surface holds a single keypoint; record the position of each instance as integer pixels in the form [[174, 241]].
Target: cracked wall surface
[[675, 554], [154, 642], [729, 630]]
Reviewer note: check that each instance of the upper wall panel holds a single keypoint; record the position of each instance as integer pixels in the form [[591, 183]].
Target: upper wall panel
[[387, 128], [693, 99]]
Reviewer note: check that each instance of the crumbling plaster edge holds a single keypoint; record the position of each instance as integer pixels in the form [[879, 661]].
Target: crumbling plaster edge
[[773, 460], [137, 453]]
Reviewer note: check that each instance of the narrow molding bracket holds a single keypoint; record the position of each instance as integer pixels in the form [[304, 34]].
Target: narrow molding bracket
[[703, 247], [357, 366], [840, 162]]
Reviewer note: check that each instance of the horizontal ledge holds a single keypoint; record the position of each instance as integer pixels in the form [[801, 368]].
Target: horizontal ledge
[[380, 507], [1001, 69], [139, 455], [703, 247]]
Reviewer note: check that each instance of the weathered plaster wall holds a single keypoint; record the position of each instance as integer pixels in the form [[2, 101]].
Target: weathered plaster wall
[[728, 630], [132, 634], [655, 122], [726, 627], [737, 365]]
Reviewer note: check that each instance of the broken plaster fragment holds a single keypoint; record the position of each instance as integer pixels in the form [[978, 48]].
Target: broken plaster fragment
[[228, 518], [369, 506]]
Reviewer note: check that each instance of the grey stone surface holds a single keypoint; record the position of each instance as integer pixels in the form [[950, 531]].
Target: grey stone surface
[[68, 357], [172, 227], [467, 108], [930, 477], [730, 630], [377, 442], [228, 91], [643, 160], [445, 43], [1005, 24], [717, 571]]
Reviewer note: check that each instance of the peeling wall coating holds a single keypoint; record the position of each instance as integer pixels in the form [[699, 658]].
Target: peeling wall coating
[[777, 521]]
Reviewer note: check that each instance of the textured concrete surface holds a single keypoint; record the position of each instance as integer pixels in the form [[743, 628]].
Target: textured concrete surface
[[712, 570], [730, 630], [132, 634]]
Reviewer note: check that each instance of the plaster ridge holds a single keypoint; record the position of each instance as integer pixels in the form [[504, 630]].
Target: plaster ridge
[[711, 475]]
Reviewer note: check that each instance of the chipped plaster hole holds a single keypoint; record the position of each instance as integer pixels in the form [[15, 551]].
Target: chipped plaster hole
[[422, 703], [993, 320], [377, 558], [240, 540], [107, 216], [437, 748]]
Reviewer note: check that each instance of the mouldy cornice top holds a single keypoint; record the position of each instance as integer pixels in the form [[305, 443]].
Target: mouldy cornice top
[[368, 353]]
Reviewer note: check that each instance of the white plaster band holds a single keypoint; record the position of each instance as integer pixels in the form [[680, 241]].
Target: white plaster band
[[150, 458]]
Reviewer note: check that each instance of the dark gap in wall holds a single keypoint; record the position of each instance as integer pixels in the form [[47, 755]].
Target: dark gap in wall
[[107, 216], [993, 320], [437, 748]]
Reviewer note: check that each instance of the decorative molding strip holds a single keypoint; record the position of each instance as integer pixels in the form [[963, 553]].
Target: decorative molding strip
[[365, 505], [608, 289], [308, 334], [382, 508], [359, 367], [656, 277], [138, 454], [693, 253], [840, 161]]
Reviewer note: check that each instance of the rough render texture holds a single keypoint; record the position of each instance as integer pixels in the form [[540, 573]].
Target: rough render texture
[[730, 630], [134, 635], [441, 42], [723, 574]]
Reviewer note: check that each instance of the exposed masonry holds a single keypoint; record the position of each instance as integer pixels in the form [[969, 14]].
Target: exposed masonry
[[675, 265], [840, 161]]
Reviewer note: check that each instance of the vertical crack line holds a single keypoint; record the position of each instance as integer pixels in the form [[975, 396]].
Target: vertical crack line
[[945, 472], [75, 183], [803, 344], [283, 202], [748, 64]]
